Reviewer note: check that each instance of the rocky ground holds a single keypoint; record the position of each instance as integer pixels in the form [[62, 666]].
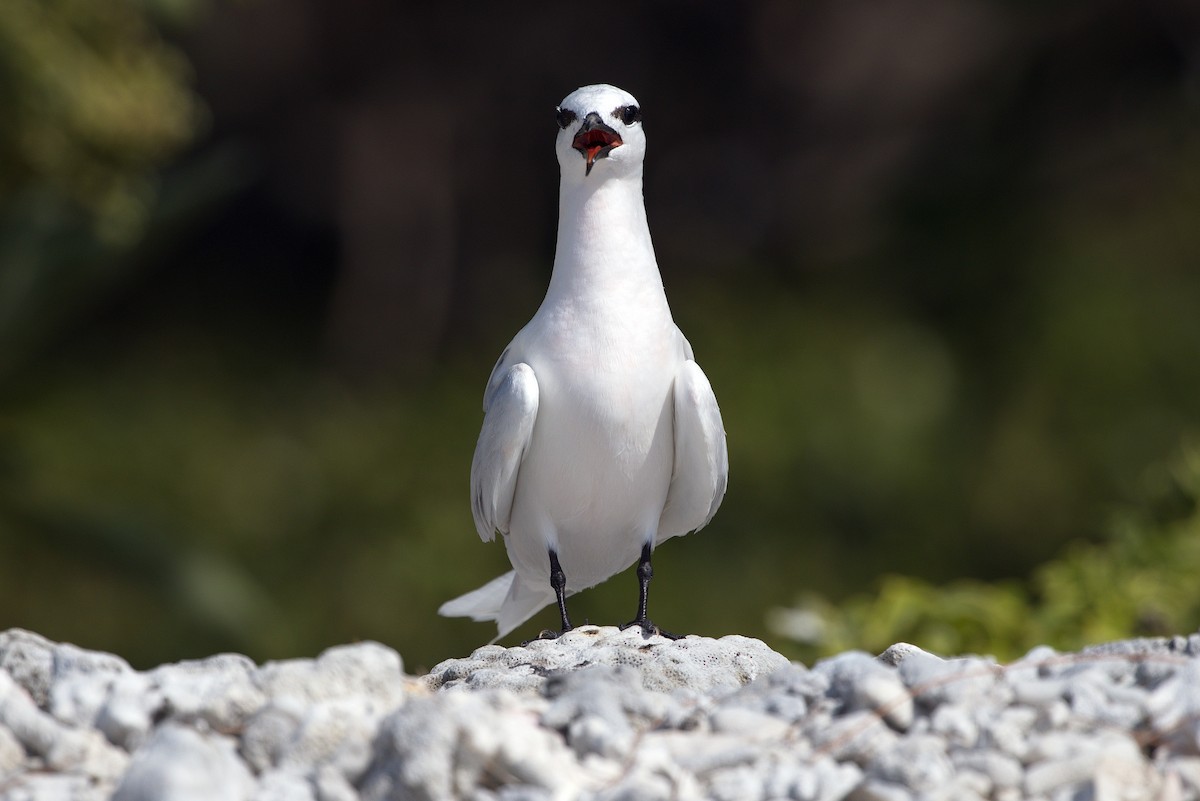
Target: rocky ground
[[603, 714]]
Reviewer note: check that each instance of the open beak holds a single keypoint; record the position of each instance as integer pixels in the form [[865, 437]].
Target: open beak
[[595, 140]]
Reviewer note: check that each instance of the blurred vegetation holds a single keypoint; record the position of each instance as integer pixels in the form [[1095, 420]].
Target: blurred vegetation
[[95, 102], [1139, 581], [953, 338]]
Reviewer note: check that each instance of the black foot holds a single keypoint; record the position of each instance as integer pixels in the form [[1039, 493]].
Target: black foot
[[650, 629], [546, 634], [644, 573]]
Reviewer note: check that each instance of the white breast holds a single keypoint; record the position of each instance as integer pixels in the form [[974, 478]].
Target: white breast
[[595, 478]]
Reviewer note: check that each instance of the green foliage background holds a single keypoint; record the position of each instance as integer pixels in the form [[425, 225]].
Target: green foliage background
[[991, 460], [1140, 580]]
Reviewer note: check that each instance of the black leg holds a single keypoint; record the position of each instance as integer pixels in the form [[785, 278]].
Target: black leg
[[558, 580], [645, 572]]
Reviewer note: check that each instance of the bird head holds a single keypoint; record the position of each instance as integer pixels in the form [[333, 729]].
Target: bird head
[[600, 129]]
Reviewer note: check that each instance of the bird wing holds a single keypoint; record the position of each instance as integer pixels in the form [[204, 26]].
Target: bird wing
[[510, 408], [499, 371], [701, 471]]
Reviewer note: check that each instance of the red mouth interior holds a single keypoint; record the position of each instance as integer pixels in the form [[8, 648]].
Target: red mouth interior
[[590, 143], [597, 137]]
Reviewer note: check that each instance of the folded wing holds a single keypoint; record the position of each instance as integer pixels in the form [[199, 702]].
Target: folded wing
[[701, 471], [510, 410]]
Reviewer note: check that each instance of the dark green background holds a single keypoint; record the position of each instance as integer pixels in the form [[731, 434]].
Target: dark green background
[[941, 262]]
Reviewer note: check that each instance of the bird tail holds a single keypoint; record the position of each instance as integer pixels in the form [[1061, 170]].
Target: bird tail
[[506, 600]]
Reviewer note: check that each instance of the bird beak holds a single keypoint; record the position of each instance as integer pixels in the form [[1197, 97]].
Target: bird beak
[[595, 140]]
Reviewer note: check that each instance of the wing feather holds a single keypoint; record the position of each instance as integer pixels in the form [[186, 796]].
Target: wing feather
[[510, 411], [701, 472]]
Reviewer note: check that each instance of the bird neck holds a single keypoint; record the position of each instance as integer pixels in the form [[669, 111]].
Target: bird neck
[[603, 240]]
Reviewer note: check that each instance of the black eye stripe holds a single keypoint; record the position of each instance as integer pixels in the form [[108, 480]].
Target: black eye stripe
[[628, 114], [565, 117]]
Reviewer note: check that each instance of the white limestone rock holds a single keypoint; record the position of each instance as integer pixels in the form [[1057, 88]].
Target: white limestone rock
[[934, 681], [700, 664], [862, 682], [450, 745], [602, 714], [38, 664], [182, 763], [363, 670], [12, 753], [61, 748]]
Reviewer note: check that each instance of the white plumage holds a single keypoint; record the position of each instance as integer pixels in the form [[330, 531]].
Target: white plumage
[[601, 434]]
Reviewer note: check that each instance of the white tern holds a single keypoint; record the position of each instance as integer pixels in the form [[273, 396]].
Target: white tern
[[601, 435]]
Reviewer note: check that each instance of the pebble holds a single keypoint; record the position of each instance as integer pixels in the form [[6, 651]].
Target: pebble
[[862, 682], [1001, 770], [934, 681], [604, 715], [880, 790], [956, 725], [918, 763], [180, 763]]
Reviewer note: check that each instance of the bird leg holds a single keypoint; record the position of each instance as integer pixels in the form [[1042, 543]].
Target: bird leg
[[645, 572], [558, 580]]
